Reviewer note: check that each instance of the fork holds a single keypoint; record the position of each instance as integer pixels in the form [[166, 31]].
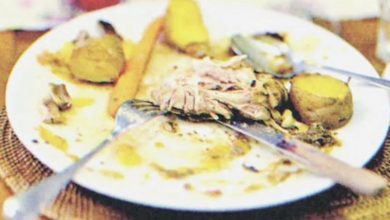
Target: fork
[[244, 45], [28, 204]]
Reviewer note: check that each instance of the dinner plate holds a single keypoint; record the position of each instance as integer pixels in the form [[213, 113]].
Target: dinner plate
[[361, 137]]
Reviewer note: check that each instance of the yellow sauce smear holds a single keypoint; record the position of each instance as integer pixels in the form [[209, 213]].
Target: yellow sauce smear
[[328, 149], [56, 141], [241, 146], [159, 145], [276, 174], [82, 102], [253, 188], [221, 155], [218, 157], [77, 103], [58, 61], [175, 173], [112, 174], [127, 155]]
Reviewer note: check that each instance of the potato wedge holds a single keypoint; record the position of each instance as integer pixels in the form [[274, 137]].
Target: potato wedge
[[321, 99], [185, 29]]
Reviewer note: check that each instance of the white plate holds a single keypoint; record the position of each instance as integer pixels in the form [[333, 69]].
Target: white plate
[[361, 137]]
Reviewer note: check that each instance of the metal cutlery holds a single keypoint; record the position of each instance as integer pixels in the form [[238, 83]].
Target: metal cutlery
[[28, 204], [359, 180], [255, 55]]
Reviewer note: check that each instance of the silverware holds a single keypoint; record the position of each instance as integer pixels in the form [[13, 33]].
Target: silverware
[[359, 180], [28, 204], [248, 46]]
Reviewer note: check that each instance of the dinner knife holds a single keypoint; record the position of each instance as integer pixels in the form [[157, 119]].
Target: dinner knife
[[359, 180]]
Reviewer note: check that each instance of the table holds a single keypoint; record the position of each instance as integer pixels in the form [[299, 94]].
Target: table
[[360, 33], [12, 45]]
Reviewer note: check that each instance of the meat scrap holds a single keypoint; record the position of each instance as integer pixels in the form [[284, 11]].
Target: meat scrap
[[57, 101], [219, 88], [60, 96]]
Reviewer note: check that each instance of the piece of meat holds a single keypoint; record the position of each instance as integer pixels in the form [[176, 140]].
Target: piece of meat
[[216, 88], [57, 101], [51, 112], [60, 96]]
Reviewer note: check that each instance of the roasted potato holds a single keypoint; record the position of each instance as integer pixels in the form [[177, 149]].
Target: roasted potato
[[98, 59], [321, 99]]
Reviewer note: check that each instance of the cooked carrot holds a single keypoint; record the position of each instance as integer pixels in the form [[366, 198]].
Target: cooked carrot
[[128, 83]]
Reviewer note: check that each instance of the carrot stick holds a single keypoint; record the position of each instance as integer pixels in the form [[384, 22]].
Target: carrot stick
[[128, 83]]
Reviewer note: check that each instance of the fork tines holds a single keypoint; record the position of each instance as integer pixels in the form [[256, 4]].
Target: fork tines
[[145, 106]]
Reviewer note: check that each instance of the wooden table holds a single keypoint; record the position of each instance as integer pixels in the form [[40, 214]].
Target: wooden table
[[361, 34]]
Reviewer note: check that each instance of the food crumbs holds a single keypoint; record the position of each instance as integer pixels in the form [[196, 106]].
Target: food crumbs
[[170, 126], [241, 146], [112, 174], [286, 162], [188, 187], [127, 155], [250, 168], [174, 173], [74, 157], [159, 145], [214, 193], [277, 177], [253, 188], [327, 149], [56, 141]]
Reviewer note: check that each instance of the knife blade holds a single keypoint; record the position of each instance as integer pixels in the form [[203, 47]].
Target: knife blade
[[359, 180]]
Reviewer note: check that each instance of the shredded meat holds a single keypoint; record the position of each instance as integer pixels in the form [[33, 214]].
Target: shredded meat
[[216, 88]]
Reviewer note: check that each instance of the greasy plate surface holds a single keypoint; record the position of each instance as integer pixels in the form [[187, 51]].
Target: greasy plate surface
[[129, 178]]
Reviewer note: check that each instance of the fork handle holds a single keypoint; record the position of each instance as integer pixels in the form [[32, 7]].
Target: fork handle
[[28, 204]]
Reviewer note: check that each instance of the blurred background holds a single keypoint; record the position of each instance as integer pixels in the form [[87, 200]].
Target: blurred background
[[42, 14], [23, 21]]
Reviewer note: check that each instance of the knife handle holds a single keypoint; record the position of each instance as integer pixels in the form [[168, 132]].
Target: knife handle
[[359, 180]]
